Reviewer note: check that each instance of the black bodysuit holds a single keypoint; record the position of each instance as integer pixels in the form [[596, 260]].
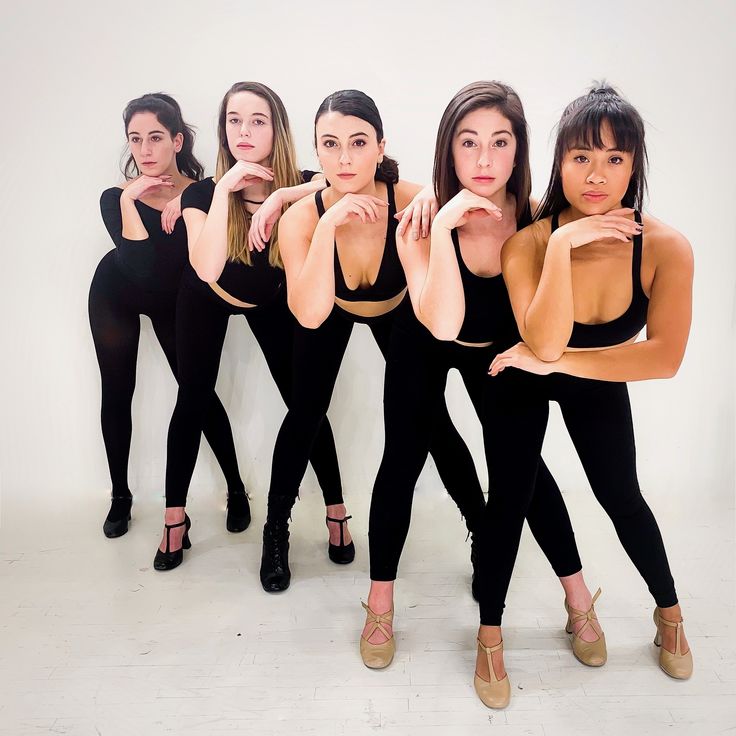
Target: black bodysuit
[[202, 318], [141, 277]]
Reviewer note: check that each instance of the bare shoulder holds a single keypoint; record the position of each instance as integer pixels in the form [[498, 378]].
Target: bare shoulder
[[666, 244], [404, 192], [301, 216], [530, 241]]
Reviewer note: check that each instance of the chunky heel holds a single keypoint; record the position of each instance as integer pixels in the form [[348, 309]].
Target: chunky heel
[[169, 559]]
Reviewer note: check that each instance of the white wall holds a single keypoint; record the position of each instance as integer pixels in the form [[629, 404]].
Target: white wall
[[68, 70]]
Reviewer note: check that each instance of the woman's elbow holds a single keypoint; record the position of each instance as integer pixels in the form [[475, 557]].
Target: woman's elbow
[[443, 329], [545, 350], [307, 316], [207, 274]]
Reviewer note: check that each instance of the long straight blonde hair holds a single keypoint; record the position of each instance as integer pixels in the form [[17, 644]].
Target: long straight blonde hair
[[282, 161]]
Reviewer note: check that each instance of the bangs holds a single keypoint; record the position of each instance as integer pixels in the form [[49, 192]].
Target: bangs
[[582, 127]]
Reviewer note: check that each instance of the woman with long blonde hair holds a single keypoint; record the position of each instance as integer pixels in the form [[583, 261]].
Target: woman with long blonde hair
[[236, 269]]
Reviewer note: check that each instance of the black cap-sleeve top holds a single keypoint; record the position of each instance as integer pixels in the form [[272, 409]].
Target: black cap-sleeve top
[[258, 283], [155, 264]]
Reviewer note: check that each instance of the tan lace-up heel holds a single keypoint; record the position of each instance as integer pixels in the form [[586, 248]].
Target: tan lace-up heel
[[591, 653], [677, 664], [377, 656], [494, 693]]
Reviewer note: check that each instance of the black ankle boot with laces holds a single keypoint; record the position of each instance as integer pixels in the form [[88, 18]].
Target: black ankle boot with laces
[[275, 573]]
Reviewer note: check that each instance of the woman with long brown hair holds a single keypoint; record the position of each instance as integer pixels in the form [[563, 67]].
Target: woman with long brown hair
[[482, 182], [234, 274]]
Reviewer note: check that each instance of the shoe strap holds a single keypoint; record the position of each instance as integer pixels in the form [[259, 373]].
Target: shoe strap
[[174, 526], [588, 616], [488, 652], [674, 625], [341, 522], [378, 621], [168, 528]]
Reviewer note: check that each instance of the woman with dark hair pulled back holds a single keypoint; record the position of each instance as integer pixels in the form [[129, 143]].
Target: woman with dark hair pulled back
[[141, 275]]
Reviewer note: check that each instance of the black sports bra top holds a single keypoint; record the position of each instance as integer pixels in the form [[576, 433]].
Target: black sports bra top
[[155, 264], [623, 327], [488, 313], [258, 283], [390, 279]]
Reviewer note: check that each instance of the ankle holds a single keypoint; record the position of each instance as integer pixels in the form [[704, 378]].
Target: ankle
[[490, 636], [381, 596], [336, 511], [577, 594], [174, 514], [673, 613]]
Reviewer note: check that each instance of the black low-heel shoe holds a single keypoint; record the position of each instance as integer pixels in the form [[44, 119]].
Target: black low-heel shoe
[[342, 553], [116, 523], [169, 560], [275, 573], [238, 512]]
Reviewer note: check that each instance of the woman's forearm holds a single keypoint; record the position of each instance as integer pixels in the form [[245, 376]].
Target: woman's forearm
[[442, 301], [548, 321], [208, 254], [133, 227], [311, 292], [639, 361]]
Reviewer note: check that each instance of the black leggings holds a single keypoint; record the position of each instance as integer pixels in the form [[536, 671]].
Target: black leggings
[[318, 354], [416, 374], [201, 324], [116, 302], [597, 415]]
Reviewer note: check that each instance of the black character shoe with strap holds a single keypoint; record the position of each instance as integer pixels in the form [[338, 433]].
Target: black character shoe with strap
[[275, 573], [342, 553], [116, 523], [170, 559], [238, 512]]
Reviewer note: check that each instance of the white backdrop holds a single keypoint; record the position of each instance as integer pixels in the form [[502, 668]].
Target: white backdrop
[[69, 69]]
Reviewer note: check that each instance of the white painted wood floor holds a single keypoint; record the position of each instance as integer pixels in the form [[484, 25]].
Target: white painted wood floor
[[94, 642]]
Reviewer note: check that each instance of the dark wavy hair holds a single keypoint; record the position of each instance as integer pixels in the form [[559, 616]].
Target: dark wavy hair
[[167, 111], [580, 126], [476, 96], [358, 104]]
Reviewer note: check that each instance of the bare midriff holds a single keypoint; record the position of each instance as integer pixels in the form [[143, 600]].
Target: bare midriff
[[228, 298], [371, 309], [474, 344]]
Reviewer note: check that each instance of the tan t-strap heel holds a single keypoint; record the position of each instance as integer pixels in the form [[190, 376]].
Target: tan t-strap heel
[[591, 653], [494, 693], [377, 656], [677, 664]]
